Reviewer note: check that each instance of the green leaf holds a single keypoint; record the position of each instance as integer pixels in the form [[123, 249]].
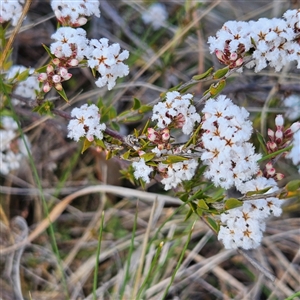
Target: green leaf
[[115, 126], [232, 203], [262, 142], [293, 185], [220, 73], [86, 145], [148, 156], [134, 118], [213, 224], [202, 204], [199, 211], [188, 215], [124, 113], [48, 51], [213, 200], [100, 143], [144, 109], [172, 159], [62, 93], [126, 155], [217, 88], [144, 131], [260, 192], [203, 75], [184, 197], [112, 113], [23, 75], [136, 104]]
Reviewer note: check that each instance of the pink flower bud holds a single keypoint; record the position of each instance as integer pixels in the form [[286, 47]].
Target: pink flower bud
[[151, 134], [238, 62], [56, 78], [279, 121], [269, 166], [42, 77], [278, 176], [67, 76], [90, 138], [63, 71], [233, 56], [59, 87], [278, 136], [220, 55], [58, 53], [46, 87], [73, 62], [81, 21], [295, 127], [272, 146], [50, 69], [165, 134], [271, 134], [271, 172], [56, 61]]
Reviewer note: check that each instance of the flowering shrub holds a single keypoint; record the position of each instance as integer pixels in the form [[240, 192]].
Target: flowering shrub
[[190, 145]]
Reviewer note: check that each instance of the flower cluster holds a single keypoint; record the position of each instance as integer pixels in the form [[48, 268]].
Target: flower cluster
[[141, 170], [26, 88], [11, 11], [176, 111], [271, 42], [71, 46], [86, 123], [108, 61], [243, 227], [73, 13], [155, 15], [173, 174], [12, 149], [231, 160]]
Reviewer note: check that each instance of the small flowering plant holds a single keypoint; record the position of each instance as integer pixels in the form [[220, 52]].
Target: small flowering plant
[[195, 146]]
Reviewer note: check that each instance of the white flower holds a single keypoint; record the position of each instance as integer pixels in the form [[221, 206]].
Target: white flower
[[175, 173], [86, 123], [26, 88], [142, 170], [272, 42], [231, 160], [12, 150], [70, 43], [176, 110], [292, 103], [108, 61], [156, 15], [72, 12], [294, 154], [11, 10]]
